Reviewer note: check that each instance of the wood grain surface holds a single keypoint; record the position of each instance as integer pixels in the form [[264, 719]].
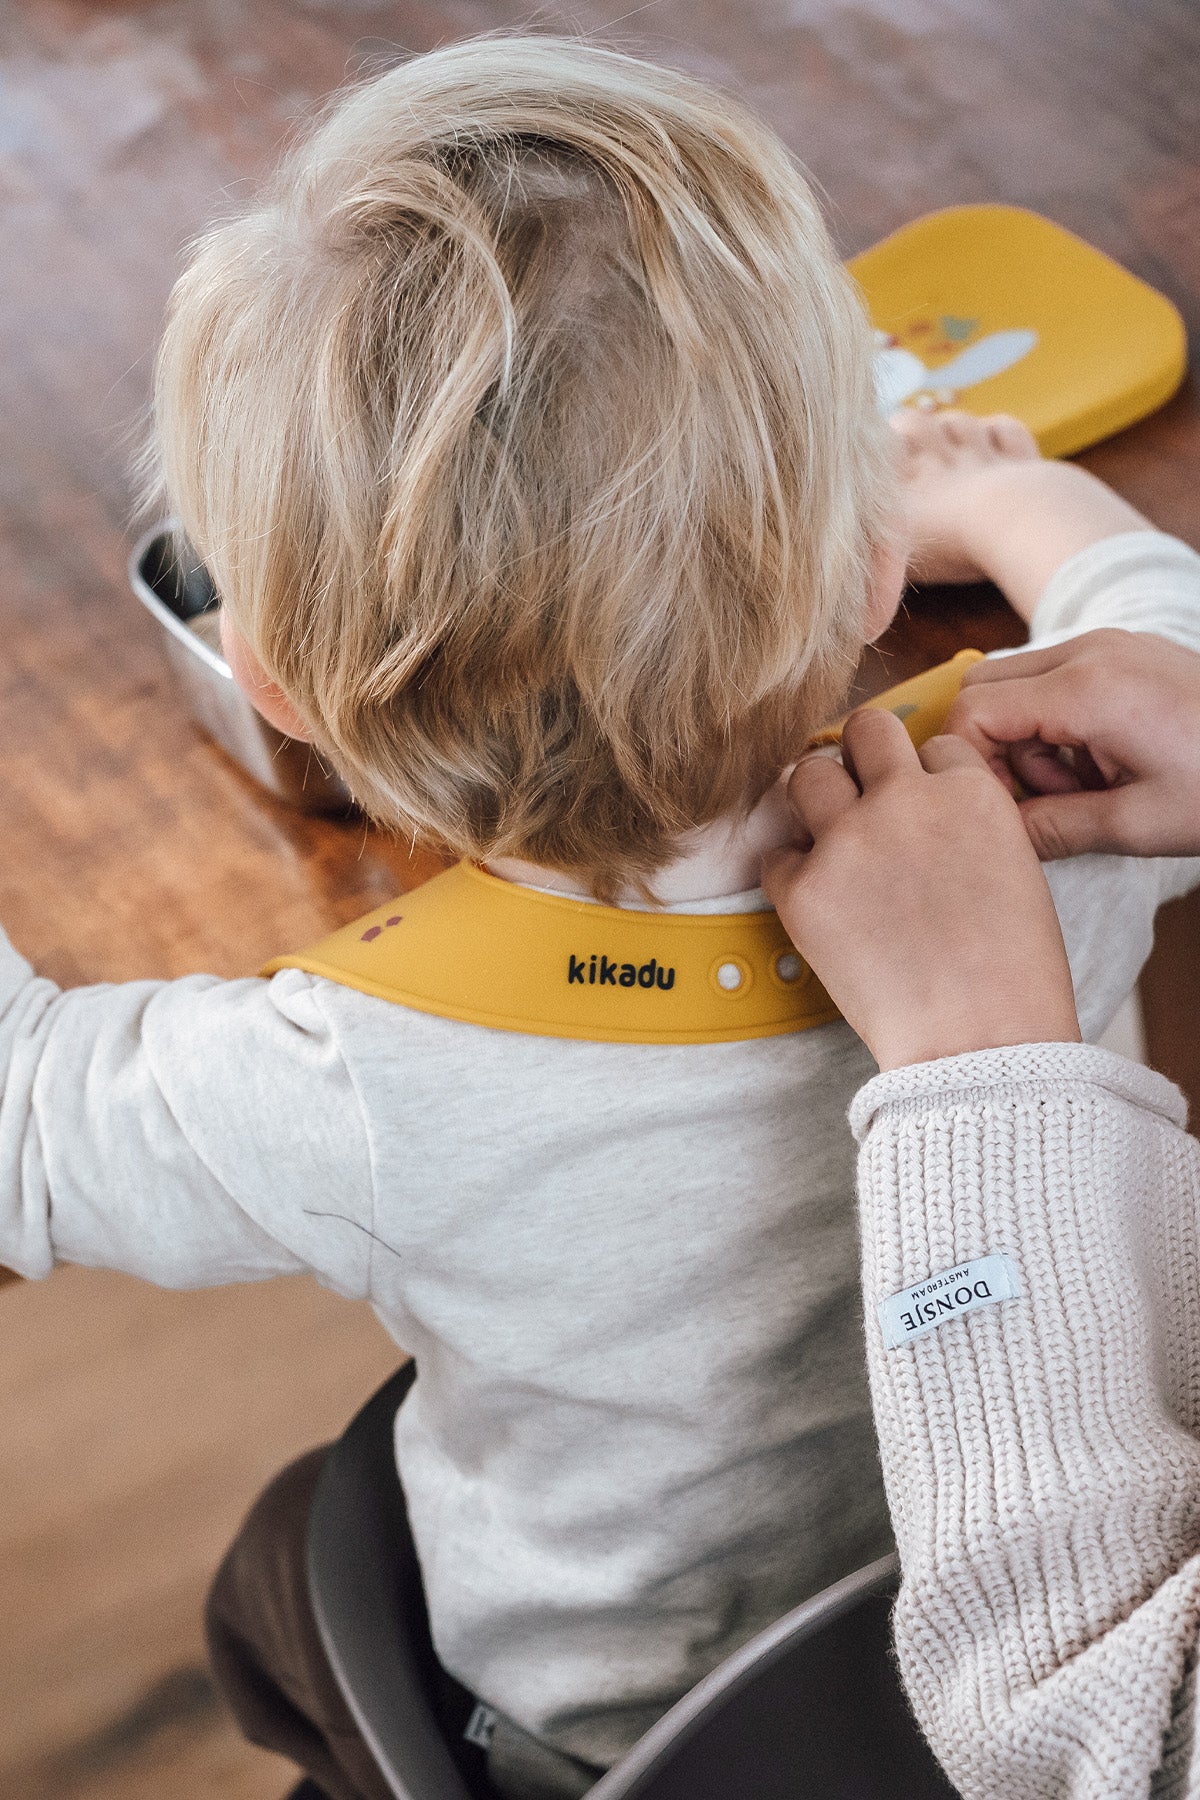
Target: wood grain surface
[[138, 1425]]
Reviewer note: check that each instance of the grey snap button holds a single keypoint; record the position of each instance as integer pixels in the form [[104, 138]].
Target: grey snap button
[[788, 966]]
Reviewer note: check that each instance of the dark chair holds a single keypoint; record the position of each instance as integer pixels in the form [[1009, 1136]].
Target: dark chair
[[811, 1707]]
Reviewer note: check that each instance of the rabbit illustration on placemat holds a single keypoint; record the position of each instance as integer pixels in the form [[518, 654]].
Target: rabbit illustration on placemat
[[901, 375]]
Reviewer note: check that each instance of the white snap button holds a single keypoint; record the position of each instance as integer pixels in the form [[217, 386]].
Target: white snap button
[[729, 976], [787, 966]]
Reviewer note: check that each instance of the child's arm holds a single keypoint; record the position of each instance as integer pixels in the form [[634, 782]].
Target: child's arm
[[189, 1132], [1069, 554], [983, 504]]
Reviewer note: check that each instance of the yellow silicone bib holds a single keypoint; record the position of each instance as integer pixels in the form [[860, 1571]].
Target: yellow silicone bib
[[469, 946]]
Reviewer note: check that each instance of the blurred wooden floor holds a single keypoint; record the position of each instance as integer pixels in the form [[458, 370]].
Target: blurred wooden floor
[[137, 1426]]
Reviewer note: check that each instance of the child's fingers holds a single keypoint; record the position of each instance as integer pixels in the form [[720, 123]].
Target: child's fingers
[[876, 745], [1010, 436], [820, 790], [941, 753], [913, 428]]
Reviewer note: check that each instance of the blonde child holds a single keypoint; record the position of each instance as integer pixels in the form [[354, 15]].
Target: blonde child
[[526, 427]]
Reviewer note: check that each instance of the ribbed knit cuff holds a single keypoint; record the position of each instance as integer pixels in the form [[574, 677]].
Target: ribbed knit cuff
[[1018, 1071]]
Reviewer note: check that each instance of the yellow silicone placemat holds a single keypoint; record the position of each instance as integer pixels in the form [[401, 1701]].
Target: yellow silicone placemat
[[996, 309]]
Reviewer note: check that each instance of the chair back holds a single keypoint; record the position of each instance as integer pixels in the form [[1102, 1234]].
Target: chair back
[[365, 1585], [810, 1709]]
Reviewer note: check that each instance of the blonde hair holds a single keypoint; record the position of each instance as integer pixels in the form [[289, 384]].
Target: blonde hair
[[526, 428]]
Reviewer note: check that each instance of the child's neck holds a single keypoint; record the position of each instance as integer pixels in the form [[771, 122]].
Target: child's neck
[[713, 861]]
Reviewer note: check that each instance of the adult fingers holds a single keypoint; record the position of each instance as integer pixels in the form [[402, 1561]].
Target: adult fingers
[[1002, 713], [941, 753], [1061, 825], [875, 744], [1021, 664], [1040, 769], [781, 870], [820, 790]]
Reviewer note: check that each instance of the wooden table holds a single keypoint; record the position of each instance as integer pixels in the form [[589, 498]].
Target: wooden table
[[132, 847]]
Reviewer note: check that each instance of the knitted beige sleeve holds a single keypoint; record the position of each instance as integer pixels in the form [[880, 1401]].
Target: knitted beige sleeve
[[1039, 1451]]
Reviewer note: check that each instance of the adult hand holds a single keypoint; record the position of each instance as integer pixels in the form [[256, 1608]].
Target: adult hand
[[915, 894], [1103, 734]]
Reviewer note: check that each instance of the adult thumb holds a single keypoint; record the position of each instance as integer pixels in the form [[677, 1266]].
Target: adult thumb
[[1061, 825], [781, 870]]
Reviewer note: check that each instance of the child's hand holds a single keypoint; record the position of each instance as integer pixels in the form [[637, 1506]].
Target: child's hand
[[921, 904], [950, 463], [1126, 706], [983, 504]]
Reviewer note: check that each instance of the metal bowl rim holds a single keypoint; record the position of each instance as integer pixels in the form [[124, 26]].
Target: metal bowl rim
[[159, 608]]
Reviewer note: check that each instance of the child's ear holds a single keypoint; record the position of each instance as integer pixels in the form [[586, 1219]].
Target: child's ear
[[888, 566], [263, 694]]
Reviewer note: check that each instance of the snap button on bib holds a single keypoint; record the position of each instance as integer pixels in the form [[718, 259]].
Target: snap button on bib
[[731, 977], [788, 967]]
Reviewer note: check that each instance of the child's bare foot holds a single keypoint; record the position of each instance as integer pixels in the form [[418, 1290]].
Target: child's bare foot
[[983, 504]]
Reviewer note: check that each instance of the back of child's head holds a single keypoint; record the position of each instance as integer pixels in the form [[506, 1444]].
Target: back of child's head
[[527, 430]]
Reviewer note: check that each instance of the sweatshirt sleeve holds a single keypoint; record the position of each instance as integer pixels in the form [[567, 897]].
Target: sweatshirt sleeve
[[190, 1132], [1040, 1451], [1136, 581]]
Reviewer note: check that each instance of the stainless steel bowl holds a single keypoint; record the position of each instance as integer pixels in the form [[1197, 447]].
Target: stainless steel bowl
[[182, 598]]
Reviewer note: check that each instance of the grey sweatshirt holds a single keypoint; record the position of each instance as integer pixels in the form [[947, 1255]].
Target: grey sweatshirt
[[641, 1427]]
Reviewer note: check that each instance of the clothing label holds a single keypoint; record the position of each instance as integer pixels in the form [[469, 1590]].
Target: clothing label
[[481, 1726], [984, 1281]]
